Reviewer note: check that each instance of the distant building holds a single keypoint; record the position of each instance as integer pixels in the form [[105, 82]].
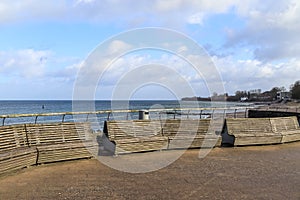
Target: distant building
[[244, 99], [256, 91], [284, 95]]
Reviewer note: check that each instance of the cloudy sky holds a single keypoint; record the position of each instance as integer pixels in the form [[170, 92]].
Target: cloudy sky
[[43, 45]]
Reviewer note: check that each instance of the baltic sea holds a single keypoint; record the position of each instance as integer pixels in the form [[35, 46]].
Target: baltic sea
[[58, 106]]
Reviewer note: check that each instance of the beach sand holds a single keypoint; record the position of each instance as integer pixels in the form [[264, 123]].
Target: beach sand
[[256, 172]]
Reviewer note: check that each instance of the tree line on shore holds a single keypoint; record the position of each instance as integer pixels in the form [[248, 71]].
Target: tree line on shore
[[275, 94]]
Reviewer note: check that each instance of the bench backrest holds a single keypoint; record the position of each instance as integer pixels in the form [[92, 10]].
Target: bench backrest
[[76, 131], [12, 137], [185, 127], [127, 129], [284, 123], [56, 133], [248, 126]]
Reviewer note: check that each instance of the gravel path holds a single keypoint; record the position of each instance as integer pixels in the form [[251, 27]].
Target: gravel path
[[257, 172]]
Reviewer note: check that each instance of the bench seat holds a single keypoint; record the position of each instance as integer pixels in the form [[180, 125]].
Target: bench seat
[[14, 151], [190, 133], [63, 152], [130, 136], [60, 141], [181, 142], [251, 131], [143, 144], [288, 127], [17, 159]]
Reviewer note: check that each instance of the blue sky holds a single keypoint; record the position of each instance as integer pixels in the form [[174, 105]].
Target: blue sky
[[253, 44]]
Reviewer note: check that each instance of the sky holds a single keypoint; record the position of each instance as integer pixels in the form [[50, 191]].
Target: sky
[[45, 45]]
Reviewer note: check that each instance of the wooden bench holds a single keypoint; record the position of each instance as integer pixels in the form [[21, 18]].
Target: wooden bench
[[250, 131], [288, 127], [131, 136], [190, 133], [60, 141], [14, 150]]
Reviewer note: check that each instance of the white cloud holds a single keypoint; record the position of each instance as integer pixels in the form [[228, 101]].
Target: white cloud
[[168, 5], [270, 32], [117, 46], [272, 29], [160, 12], [196, 18], [158, 69], [32, 74], [252, 74], [84, 2], [30, 64], [26, 63], [21, 10], [65, 74]]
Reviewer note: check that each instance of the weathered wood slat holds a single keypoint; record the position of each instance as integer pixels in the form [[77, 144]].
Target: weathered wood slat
[[252, 131], [135, 135], [288, 127], [181, 142], [141, 144], [17, 159], [28, 144], [12, 137], [190, 133], [124, 129], [54, 153], [146, 135], [14, 151], [61, 141]]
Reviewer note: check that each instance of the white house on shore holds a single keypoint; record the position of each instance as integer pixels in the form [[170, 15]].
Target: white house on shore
[[244, 98], [284, 95]]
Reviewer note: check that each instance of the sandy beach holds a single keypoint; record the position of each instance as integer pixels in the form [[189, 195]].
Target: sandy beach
[[256, 172]]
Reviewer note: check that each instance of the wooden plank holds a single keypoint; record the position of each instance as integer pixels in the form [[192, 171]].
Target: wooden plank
[[184, 142], [190, 133], [54, 153], [48, 143], [57, 133], [125, 129], [129, 135], [43, 134], [140, 145], [14, 151], [12, 137], [173, 127], [60, 141], [284, 123], [17, 159], [288, 127], [135, 135], [252, 131]]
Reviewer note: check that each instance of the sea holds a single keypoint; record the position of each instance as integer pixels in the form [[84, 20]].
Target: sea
[[9, 108]]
